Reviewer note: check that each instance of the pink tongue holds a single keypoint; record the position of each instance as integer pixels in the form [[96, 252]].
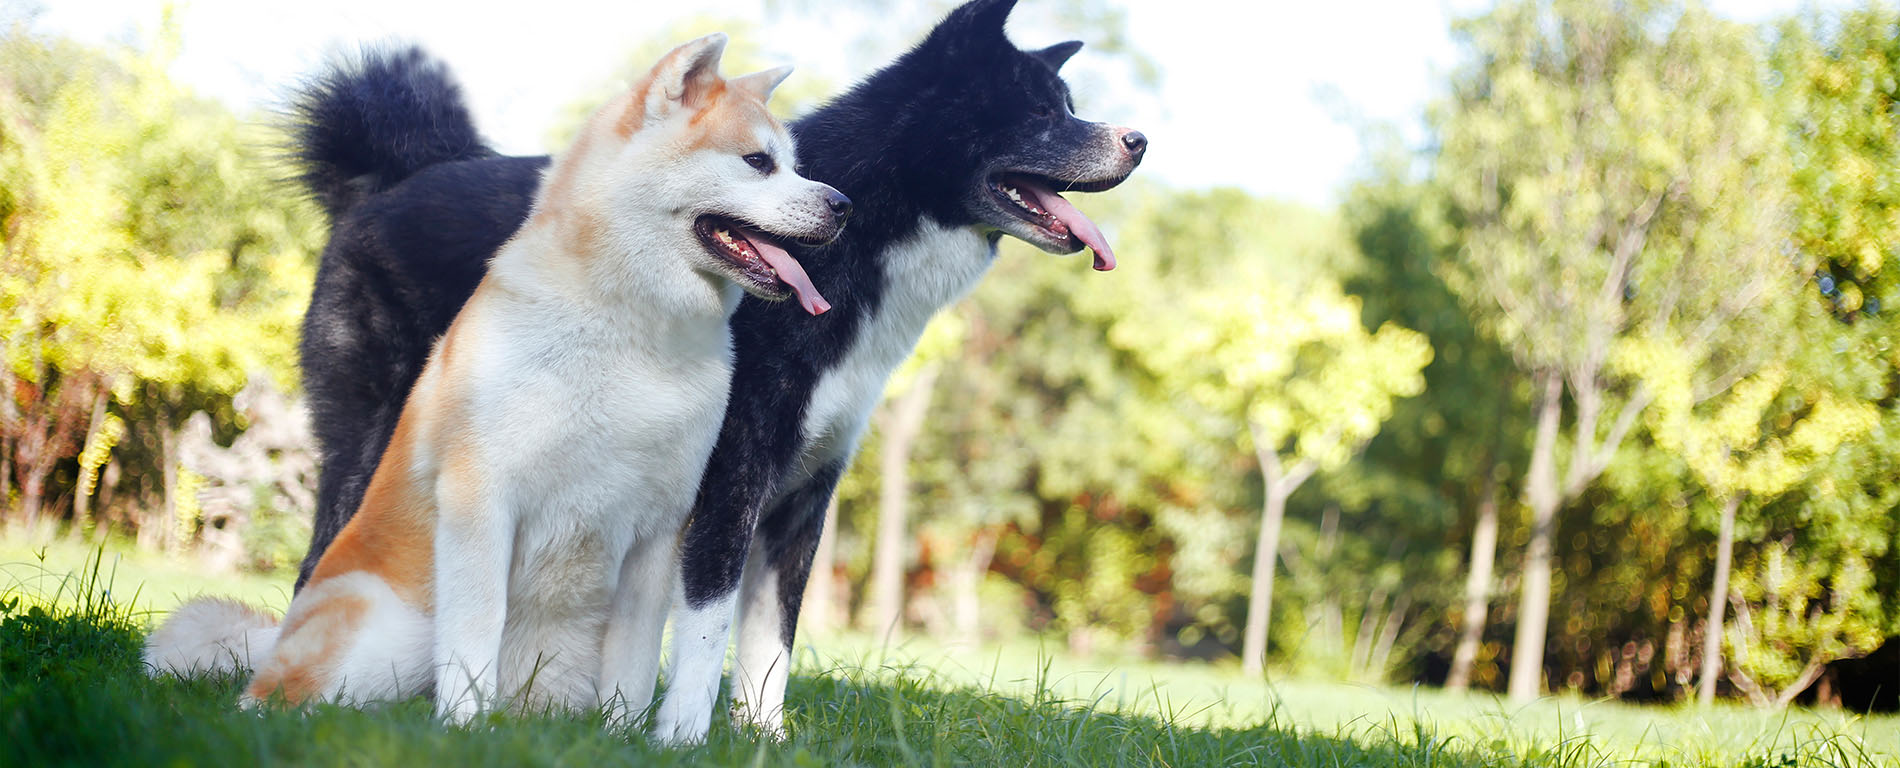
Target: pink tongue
[[790, 273], [1079, 224]]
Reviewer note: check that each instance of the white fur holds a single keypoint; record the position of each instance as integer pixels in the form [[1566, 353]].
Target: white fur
[[597, 413], [209, 635], [699, 653], [764, 664], [924, 273], [561, 428], [388, 660]]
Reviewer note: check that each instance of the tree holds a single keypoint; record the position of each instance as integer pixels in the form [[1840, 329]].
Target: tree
[[1617, 178], [1306, 383], [1838, 78], [1443, 456], [1759, 440], [900, 422], [152, 265]]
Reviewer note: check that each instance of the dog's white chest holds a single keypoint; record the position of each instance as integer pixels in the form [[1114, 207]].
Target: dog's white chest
[[596, 430], [923, 274]]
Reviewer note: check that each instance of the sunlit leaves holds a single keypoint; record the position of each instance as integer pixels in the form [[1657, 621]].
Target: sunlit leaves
[[149, 250]]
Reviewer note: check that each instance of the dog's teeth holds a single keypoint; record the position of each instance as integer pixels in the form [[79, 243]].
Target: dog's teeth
[[1016, 196]]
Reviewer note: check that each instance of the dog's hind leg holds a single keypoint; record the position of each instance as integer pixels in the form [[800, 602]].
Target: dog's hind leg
[[630, 654], [769, 598], [346, 639]]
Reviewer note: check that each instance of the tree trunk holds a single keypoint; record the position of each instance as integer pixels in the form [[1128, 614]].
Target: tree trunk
[[1360, 660], [1484, 550], [1332, 616], [9, 434], [155, 527], [88, 480], [1388, 636], [821, 588], [32, 495], [1253, 652], [903, 421], [1540, 487], [967, 604], [1278, 486], [1718, 602]]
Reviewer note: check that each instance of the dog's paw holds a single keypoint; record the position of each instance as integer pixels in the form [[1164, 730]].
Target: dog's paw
[[681, 724], [768, 724], [459, 711]]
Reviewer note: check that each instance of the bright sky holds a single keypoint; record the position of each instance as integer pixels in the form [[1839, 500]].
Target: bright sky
[[1251, 93]]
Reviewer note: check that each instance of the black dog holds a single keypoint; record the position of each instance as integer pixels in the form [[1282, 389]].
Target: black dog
[[961, 140]]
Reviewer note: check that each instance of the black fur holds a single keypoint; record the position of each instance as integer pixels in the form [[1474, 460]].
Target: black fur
[[364, 126], [789, 532], [417, 203], [911, 142]]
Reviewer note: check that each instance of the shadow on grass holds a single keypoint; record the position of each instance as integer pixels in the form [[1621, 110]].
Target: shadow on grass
[[73, 692]]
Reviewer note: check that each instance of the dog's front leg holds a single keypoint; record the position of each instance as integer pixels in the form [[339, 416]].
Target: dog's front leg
[[770, 595], [712, 556], [474, 543], [630, 653]]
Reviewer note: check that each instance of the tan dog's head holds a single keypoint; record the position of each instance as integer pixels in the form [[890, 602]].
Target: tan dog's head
[[692, 164]]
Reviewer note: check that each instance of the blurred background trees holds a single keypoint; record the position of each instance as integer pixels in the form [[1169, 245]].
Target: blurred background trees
[[1591, 392], [152, 268]]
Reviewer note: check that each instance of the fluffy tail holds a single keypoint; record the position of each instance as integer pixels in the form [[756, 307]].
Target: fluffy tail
[[210, 635], [363, 125]]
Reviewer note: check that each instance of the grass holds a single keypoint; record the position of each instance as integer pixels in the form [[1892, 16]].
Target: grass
[[72, 692], [151, 582]]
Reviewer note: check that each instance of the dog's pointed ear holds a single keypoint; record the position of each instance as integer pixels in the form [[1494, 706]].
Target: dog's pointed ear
[[979, 18], [761, 84], [1057, 55], [685, 77]]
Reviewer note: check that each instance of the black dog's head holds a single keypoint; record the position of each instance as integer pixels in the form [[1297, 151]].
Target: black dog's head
[[992, 139]]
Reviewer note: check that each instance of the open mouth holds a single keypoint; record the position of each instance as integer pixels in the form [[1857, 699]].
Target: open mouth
[[1034, 199], [758, 263]]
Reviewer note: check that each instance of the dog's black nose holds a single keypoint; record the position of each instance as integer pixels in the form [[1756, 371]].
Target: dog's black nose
[[1135, 142], [840, 204]]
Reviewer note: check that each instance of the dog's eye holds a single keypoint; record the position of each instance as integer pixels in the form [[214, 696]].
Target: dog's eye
[[1042, 112], [760, 162]]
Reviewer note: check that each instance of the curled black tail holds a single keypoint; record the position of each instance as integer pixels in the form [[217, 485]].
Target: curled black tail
[[363, 125]]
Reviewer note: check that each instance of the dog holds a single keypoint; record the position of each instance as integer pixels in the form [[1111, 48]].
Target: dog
[[533, 490], [960, 141]]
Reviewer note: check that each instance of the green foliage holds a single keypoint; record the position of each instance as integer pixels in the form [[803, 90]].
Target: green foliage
[[1619, 181], [1838, 75], [150, 257], [1629, 197], [71, 636], [1793, 613], [1620, 188]]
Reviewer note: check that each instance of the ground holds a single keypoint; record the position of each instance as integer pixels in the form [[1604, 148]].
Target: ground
[[72, 693]]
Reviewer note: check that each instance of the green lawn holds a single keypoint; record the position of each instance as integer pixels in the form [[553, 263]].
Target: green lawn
[[147, 582], [72, 693]]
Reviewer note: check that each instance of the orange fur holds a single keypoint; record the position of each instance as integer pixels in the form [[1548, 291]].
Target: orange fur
[[434, 459], [393, 536], [328, 626], [557, 191], [727, 123], [635, 113]]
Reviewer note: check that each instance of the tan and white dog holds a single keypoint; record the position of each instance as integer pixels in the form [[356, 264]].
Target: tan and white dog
[[518, 541]]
